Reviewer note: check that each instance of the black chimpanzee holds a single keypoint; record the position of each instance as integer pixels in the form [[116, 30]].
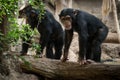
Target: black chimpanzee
[[91, 33], [50, 31]]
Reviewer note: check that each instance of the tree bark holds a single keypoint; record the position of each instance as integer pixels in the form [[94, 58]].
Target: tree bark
[[112, 38], [116, 20], [3, 25], [3, 31], [56, 70]]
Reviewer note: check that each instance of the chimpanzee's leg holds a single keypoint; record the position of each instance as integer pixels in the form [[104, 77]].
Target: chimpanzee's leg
[[96, 44], [96, 51], [68, 40], [25, 46], [88, 53], [97, 54], [49, 50], [41, 48], [43, 42], [58, 47], [89, 48]]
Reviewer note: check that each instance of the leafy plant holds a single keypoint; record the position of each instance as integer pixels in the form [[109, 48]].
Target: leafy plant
[[27, 31], [9, 8], [38, 4]]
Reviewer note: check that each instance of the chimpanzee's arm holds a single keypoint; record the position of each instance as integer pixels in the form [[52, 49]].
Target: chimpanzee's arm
[[83, 39], [68, 40]]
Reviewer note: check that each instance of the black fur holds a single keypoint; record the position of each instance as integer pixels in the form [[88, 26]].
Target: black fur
[[50, 30], [92, 32]]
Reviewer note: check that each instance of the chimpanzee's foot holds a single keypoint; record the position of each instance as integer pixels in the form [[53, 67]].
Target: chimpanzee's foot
[[82, 62], [23, 53], [64, 59], [86, 62]]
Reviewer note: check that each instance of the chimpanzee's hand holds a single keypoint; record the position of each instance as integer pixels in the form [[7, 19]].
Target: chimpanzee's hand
[[82, 62], [64, 59]]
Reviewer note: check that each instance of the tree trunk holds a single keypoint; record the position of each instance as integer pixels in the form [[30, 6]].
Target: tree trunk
[[116, 20], [3, 25], [3, 30], [56, 70]]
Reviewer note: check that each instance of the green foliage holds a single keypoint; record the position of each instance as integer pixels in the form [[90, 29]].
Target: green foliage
[[13, 33], [27, 63], [38, 4], [9, 8], [36, 47], [2, 42], [26, 30]]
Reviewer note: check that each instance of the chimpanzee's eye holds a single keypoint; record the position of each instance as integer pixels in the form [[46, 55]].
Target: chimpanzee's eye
[[62, 19], [68, 18]]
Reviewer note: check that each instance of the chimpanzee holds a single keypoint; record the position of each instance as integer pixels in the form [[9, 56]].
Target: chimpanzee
[[91, 33], [51, 32]]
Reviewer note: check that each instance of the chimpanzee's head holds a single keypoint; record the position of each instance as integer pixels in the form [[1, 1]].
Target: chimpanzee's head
[[66, 17], [27, 11]]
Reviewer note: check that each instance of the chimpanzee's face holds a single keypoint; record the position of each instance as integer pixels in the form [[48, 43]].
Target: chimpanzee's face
[[66, 18], [22, 14], [24, 11], [66, 21]]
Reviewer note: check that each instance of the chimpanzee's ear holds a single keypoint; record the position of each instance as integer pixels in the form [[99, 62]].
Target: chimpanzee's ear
[[33, 13], [75, 12]]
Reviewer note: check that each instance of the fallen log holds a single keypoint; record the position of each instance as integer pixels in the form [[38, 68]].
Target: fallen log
[[112, 38], [56, 70]]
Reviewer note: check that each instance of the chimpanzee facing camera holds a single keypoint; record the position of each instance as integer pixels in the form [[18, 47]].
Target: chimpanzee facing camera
[[91, 33], [51, 32]]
